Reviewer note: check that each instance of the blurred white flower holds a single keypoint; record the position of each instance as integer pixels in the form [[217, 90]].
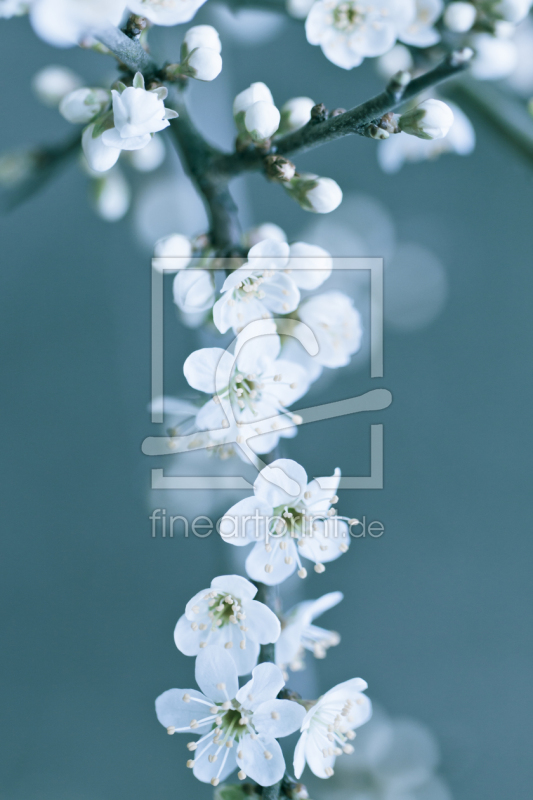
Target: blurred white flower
[[511, 10], [295, 113], [494, 57], [268, 230], [328, 727], [111, 195], [393, 759], [166, 12], [15, 167], [401, 148], [417, 287], [432, 119], [348, 32], [194, 290], [99, 157], [299, 9], [399, 59], [150, 157], [336, 325], [320, 195], [227, 615], [521, 79], [248, 26], [172, 253], [62, 23], [459, 16], [14, 8], [298, 633], [419, 31], [51, 84], [82, 105]]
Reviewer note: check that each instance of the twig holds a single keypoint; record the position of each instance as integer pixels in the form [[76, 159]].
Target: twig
[[354, 121], [128, 51]]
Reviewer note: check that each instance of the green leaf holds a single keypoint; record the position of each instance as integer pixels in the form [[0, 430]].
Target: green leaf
[[138, 81], [236, 791]]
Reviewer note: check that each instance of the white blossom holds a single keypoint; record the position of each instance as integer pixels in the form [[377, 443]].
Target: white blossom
[[261, 120], [251, 390], [84, 104], [238, 727], [494, 58], [298, 633], [296, 113], [511, 10], [299, 9], [112, 195], [15, 167], [204, 64], [172, 253], [420, 32], [336, 325], [228, 616], [401, 148], [137, 114], [63, 23], [194, 290], [286, 519], [349, 32], [166, 12], [13, 8], [329, 726], [202, 36], [150, 157], [51, 84], [521, 79], [393, 759], [268, 230], [253, 94], [432, 119], [399, 59], [99, 156], [459, 16], [320, 195]]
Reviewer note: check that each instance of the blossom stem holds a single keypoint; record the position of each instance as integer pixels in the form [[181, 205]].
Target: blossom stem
[[128, 51]]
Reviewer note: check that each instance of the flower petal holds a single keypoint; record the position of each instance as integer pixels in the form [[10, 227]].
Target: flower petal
[[267, 681], [310, 265], [266, 771], [173, 711], [263, 625], [202, 366], [235, 585], [245, 522], [281, 483], [215, 668], [260, 558], [299, 755], [205, 770], [278, 718]]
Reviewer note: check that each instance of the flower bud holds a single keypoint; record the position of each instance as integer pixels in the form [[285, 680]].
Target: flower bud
[[459, 17], [254, 93], [82, 105], [296, 113], [261, 120], [172, 253], [53, 83], [112, 196], [279, 168], [203, 64], [320, 195], [194, 290], [202, 36], [432, 119], [100, 156]]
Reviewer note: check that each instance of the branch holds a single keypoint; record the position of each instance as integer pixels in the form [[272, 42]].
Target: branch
[[197, 156], [506, 115], [128, 51], [355, 121]]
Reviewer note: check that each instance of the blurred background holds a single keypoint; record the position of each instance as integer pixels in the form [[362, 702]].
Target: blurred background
[[437, 612]]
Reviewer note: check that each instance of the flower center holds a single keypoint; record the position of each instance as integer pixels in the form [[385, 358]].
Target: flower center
[[347, 16]]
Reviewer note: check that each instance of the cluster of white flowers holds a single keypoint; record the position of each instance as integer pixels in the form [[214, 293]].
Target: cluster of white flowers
[[224, 626]]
